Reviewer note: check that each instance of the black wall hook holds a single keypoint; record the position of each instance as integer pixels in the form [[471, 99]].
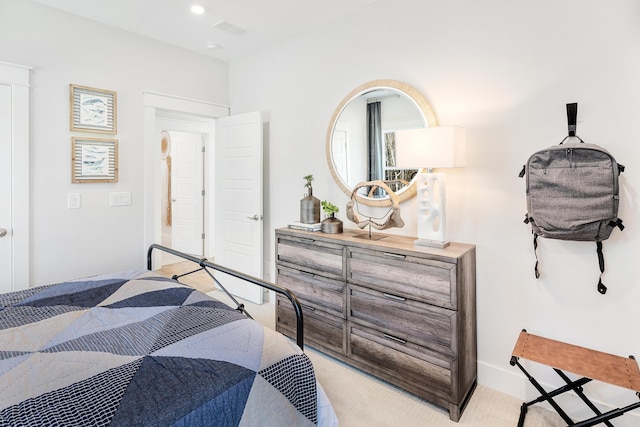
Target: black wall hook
[[572, 114]]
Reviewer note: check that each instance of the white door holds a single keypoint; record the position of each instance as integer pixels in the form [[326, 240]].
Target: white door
[[14, 177], [179, 144], [187, 192], [238, 222], [6, 256]]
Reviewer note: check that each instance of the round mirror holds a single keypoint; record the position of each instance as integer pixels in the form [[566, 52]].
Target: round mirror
[[361, 138]]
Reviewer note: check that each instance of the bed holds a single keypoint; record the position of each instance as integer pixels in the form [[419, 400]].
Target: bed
[[138, 349]]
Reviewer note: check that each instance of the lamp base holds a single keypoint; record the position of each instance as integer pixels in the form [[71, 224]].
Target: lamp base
[[431, 243]]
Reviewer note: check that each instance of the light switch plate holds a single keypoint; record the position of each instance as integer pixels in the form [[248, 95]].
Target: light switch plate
[[120, 198], [73, 201]]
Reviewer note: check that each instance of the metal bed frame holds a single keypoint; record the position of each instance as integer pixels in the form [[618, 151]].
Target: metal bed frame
[[207, 266]]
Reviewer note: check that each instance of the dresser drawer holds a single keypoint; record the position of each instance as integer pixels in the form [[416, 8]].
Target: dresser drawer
[[320, 329], [401, 362], [309, 254], [424, 324], [421, 279], [311, 289]]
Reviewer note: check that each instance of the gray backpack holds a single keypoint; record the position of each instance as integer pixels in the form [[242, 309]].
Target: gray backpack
[[572, 194]]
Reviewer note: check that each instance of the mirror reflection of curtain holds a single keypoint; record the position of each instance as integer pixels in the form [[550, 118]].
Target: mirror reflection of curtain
[[375, 169]]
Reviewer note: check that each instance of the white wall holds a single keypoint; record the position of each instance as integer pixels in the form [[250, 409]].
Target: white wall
[[64, 49], [504, 70]]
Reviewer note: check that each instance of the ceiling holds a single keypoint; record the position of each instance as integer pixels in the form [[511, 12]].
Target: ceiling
[[264, 21]]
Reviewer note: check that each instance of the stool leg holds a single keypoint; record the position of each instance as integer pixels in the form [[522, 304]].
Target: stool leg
[[578, 390], [544, 393], [607, 415], [523, 413]]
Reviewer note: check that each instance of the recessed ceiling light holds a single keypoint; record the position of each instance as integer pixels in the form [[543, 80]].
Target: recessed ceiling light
[[213, 46], [197, 9]]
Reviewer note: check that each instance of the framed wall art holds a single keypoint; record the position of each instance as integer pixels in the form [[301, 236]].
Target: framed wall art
[[94, 160], [93, 110]]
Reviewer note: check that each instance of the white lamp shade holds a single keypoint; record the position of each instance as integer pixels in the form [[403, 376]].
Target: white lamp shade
[[431, 147]]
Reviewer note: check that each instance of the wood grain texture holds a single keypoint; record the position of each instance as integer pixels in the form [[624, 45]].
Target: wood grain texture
[[371, 346], [321, 331], [409, 311], [324, 294], [311, 255], [427, 325], [410, 276]]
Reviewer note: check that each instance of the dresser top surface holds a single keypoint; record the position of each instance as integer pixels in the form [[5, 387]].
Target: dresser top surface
[[389, 242]]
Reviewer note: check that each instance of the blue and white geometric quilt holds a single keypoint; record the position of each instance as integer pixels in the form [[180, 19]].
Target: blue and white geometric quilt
[[142, 350]]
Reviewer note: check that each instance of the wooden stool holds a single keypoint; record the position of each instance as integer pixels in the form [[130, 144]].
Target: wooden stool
[[589, 364]]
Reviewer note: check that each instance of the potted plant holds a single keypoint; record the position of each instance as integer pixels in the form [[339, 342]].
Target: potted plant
[[309, 205], [330, 224], [308, 178]]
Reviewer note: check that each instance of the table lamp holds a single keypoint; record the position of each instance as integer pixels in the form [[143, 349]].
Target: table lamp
[[429, 148]]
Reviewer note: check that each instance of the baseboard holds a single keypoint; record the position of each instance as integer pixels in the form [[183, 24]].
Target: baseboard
[[266, 271], [514, 383], [267, 276], [508, 382]]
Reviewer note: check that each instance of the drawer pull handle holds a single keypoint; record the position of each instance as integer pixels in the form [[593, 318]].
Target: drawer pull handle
[[392, 255], [394, 297], [308, 307], [306, 273], [396, 339], [304, 239]]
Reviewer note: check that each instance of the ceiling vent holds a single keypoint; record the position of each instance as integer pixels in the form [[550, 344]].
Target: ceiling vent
[[229, 28]]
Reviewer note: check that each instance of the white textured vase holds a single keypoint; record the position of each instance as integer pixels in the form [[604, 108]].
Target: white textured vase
[[431, 209]]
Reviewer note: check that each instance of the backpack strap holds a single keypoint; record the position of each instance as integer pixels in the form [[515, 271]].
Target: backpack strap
[[535, 247], [601, 287], [616, 223], [572, 114]]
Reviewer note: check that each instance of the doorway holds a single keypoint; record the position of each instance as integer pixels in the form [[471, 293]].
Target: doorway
[[182, 143], [183, 191], [225, 175]]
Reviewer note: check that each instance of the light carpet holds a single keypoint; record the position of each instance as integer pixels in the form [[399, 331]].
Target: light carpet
[[362, 400]]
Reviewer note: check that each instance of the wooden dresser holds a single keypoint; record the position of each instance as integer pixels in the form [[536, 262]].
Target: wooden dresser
[[404, 313]]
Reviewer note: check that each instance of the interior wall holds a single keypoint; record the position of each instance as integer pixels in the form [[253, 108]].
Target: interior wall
[[504, 70], [64, 49]]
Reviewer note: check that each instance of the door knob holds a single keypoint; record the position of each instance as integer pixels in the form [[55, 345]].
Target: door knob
[[3, 232], [255, 217]]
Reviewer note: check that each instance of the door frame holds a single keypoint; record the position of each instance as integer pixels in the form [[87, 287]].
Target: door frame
[[155, 105], [18, 76]]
